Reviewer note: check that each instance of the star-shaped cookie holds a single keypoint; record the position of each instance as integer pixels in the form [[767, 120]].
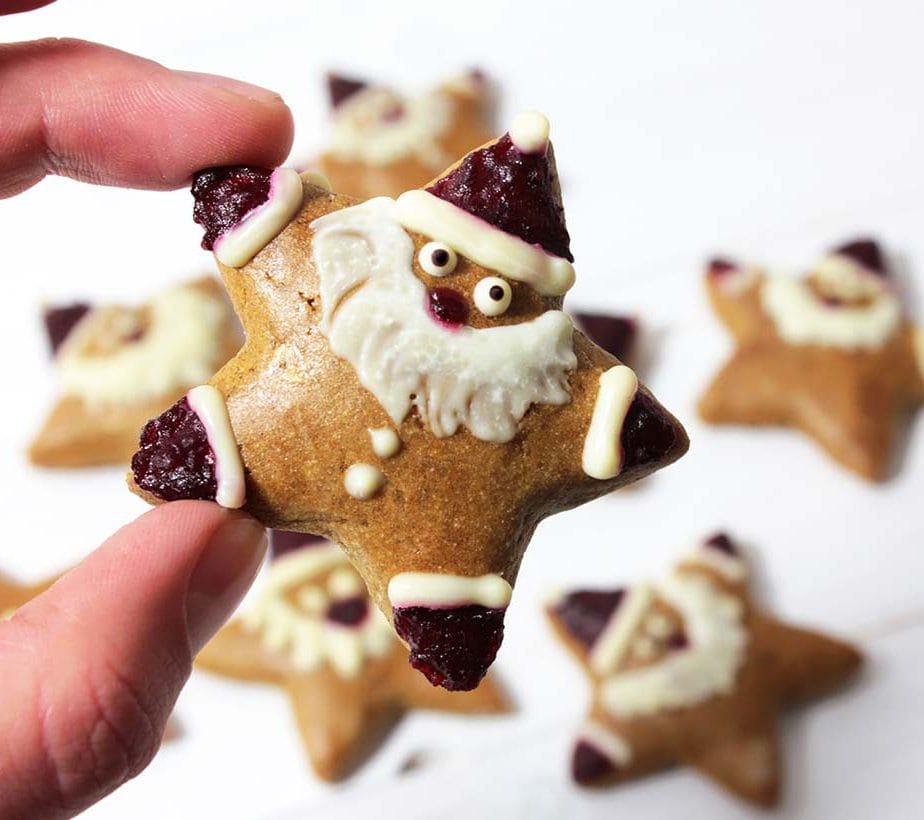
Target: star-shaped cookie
[[118, 366], [410, 387], [832, 354], [383, 143], [314, 632], [686, 671]]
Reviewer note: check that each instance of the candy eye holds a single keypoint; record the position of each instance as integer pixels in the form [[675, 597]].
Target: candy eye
[[437, 259], [492, 296]]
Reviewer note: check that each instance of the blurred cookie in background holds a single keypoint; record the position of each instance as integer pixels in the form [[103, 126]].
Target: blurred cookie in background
[[615, 333], [686, 671], [314, 632], [833, 354], [383, 143], [117, 366]]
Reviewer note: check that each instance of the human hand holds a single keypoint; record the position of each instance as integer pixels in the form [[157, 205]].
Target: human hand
[[90, 670]]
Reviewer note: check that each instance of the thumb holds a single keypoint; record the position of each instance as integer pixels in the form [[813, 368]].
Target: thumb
[[90, 670]]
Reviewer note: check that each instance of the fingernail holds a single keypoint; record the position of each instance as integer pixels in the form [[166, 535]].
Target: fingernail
[[225, 571], [255, 93]]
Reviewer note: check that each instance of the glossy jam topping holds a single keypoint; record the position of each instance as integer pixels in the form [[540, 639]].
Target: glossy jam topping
[[454, 646], [448, 307], [175, 459], [648, 435], [340, 88], [585, 613], [588, 765], [349, 611], [224, 196], [615, 334], [866, 252], [283, 542], [720, 541], [60, 321], [510, 190]]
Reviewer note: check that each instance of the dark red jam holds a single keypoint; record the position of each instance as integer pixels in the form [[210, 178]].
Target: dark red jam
[[175, 459], [720, 541], [588, 765], [866, 252], [678, 640], [510, 190], [60, 321], [448, 307], [340, 88], [349, 611], [585, 613], [721, 267], [648, 435], [283, 542], [615, 334], [452, 647], [224, 196]]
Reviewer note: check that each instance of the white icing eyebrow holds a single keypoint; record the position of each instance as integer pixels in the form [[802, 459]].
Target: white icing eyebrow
[[209, 405], [443, 589]]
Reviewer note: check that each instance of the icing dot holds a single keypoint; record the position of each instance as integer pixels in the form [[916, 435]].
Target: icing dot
[[437, 259], [530, 132], [385, 442], [344, 583], [493, 295], [312, 600], [363, 481]]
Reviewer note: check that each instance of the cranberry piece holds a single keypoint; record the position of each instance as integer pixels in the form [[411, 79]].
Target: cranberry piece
[[283, 542], [648, 435], [588, 765], [224, 196], [510, 190], [453, 647], [720, 541], [340, 88], [60, 321], [448, 306], [349, 611], [585, 613], [866, 252], [175, 459], [615, 334], [720, 267]]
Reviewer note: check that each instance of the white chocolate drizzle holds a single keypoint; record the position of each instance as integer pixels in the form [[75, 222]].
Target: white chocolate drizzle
[[301, 631], [237, 246], [209, 405], [179, 346], [529, 132], [612, 746], [436, 589], [602, 457], [615, 640], [385, 442], [363, 481]]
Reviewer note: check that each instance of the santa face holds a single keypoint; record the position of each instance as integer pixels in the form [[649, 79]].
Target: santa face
[[425, 327]]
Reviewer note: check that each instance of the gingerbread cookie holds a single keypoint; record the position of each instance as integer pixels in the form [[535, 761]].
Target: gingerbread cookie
[[686, 671], [410, 387], [832, 354], [315, 633], [383, 143], [118, 366], [616, 334]]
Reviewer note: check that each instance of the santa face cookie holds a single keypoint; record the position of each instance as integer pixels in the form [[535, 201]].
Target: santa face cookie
[[314, 632], [383, 143], [410, 387], [832, 354], [117, 366], [685, 671]]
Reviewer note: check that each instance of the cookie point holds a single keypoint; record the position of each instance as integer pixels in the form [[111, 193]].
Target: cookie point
[[866, 252], [720, 541], [529, 132], [650, 435], [588, 765], [340, 88], [585, 613]]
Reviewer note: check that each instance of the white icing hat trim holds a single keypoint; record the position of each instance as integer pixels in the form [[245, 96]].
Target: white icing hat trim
[[436, 589], [236, 247], [529, 132], [612, 746], [613, 643], [363, 481], [209, 405], [481, 242], [602, 457]]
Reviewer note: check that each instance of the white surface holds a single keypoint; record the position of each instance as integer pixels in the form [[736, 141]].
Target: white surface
[[681, 129]]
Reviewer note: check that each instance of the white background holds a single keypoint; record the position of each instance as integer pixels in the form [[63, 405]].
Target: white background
[[767, 129]]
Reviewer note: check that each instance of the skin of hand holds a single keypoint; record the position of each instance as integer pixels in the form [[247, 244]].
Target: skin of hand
[[90, 670]]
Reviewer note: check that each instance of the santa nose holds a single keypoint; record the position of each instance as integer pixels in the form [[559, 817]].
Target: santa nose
[[452, 646], [448, 307]]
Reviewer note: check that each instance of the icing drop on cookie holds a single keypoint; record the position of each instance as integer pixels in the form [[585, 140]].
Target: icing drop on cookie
[[529, 132], [436, 589], [209, 405], [603, 457], [363, 481], [385, 442]]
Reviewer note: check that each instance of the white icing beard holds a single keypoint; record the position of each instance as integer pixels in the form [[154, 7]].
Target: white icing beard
[[708, 667], [362, 131], [374, 315], [179, 348]]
